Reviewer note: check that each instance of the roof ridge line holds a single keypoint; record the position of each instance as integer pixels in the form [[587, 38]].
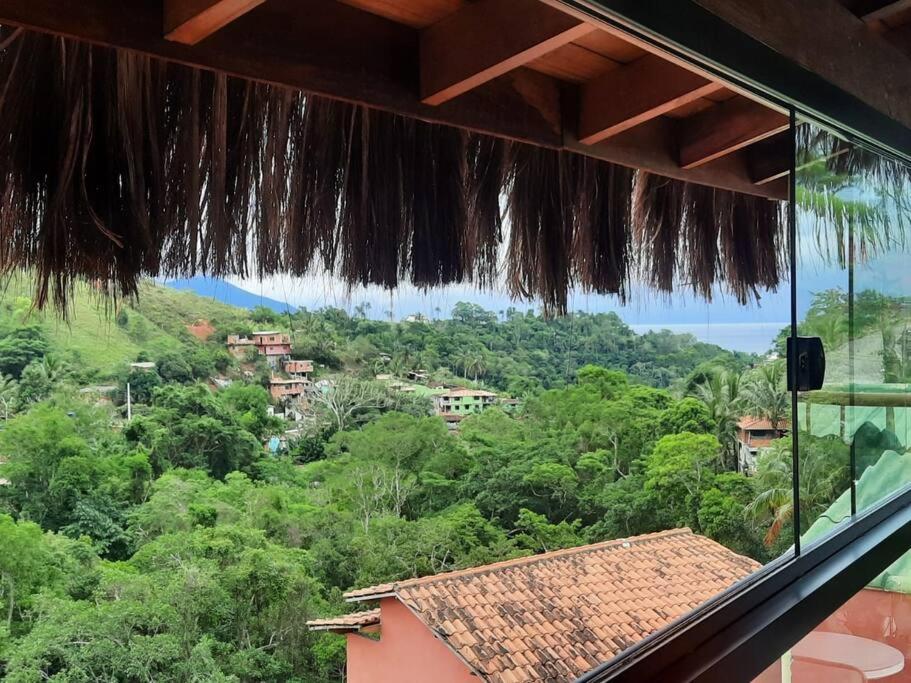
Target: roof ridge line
[[392, 588]]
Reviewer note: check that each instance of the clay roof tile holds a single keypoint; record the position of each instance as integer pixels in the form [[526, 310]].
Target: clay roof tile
[[554, 616]]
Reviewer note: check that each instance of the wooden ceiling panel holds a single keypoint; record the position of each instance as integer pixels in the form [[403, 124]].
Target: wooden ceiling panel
[[484, 41], [366, 52], [726, 128], [610, 46], [635, 93], [691, 108], [573, 63], [721, 95], [414, 13]]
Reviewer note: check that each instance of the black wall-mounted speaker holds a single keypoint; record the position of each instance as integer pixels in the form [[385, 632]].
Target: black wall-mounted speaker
[[810, 358]]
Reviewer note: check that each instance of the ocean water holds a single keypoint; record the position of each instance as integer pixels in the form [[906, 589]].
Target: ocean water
[[749, 337]]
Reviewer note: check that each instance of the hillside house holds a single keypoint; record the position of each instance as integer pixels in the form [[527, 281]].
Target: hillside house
[[298, 368], [275, 346], [753, 434], [456, 404], [548, 617], [283, 389], [239, 345]]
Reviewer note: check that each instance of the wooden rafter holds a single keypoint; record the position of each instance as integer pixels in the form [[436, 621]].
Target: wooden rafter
[[652, 146], [484, 40], [189, 21], [633, 94], [725, 128], [335, 50]]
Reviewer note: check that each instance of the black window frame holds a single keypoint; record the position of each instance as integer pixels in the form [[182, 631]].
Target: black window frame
[[744, 630]]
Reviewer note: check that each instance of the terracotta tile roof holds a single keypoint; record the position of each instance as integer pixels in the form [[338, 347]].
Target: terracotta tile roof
[[554, 616], [749, 422], [347, 622]]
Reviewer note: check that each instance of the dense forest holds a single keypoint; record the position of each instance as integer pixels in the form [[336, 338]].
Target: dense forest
[[174, 546]]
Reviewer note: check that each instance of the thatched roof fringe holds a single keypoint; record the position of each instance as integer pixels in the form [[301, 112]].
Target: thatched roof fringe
[[115, 165]]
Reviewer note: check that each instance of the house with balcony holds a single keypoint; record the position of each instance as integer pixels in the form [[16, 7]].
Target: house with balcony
[[275, 346], [298, 368], [754, 434], [456, 404], [284, 389]]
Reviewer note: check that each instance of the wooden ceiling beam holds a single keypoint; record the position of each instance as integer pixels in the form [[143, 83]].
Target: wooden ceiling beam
[[652, 147], [635, 93], [325, 48], [725, 128], [189, 21], [877, 16], [487, 39], [769, 159], [337, 51]]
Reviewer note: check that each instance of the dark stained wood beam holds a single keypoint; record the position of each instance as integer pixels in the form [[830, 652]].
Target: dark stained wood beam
[[825, 38], [322, 47], [337, 51], [189, 21], [652, 146], [728, 126], [487, 39], [635, 93], [876, 18], [769, 159]]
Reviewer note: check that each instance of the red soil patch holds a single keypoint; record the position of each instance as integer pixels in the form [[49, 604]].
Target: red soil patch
[[201, 329]]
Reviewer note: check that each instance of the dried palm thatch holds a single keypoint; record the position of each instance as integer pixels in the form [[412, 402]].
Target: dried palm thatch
[[704, 236], [845, 188], [114, 166]]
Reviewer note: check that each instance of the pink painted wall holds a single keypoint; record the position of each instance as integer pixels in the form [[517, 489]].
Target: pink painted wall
[[874, 614], [878, 615], [406, 652]]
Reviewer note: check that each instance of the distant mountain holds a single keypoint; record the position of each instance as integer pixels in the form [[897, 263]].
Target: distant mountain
[[225, 292]]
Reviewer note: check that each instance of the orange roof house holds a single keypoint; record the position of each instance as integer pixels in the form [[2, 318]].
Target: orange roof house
[[754, 433], [549, 617]]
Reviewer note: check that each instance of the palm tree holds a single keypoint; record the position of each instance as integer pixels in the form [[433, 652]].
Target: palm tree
[[765, 395], [822, 480], [54, 369], [832, 329], [8, 389], [773, 506], [721, 393], [479, 365]]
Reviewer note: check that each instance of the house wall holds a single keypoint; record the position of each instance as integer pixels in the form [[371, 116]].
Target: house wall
[[406, 652], [276, 349], [300, 367], [279, 391], [879, 615]]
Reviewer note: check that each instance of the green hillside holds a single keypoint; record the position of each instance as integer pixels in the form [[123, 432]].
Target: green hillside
[[101, 337]]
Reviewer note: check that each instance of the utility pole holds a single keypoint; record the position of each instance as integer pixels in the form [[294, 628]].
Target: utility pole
[[129, 405]]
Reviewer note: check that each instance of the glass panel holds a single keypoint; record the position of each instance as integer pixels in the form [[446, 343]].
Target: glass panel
[[854, 293], [867, 638]]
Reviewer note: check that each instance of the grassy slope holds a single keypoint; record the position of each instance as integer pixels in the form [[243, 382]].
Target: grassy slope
[[156, 322]]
